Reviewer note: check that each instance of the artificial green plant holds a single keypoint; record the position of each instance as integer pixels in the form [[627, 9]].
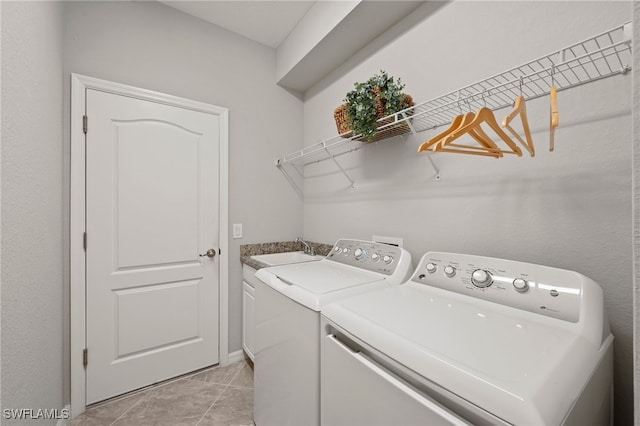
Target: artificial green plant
[[361, 106]]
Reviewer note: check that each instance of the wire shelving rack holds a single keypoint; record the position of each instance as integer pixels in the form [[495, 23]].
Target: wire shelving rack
[[601, 56]]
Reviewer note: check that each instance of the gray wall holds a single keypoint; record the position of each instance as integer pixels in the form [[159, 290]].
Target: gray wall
[[32, 258], [636, 203], [570, 209], [150, 45]]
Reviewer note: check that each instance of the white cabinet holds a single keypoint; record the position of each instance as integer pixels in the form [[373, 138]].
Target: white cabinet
[[248, 310], [248, 318]]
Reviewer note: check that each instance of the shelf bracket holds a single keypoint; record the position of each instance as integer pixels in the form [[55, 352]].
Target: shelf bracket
[[289, 178], [415, 136], [338, 166]]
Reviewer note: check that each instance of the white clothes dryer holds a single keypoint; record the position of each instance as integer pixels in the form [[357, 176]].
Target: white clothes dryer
[[288, 302], [470, 340]]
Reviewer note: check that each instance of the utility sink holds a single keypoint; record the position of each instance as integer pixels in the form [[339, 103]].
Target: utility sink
[[275, 259]]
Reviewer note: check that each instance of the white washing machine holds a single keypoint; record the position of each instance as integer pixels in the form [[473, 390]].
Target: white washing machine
[[470, 340], [289, 299]]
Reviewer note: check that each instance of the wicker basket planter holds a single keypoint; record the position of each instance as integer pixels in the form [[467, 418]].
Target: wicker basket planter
[[344, 129]]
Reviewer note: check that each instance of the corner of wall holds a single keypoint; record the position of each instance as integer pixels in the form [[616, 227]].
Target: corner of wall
[[33, 366]]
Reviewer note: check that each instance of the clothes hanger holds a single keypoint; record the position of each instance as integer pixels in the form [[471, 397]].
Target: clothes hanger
[[520, 109], [457, 122], [464, 151], [484, 115], [469, 149], [486, 144], [554, 116], [481, 137]]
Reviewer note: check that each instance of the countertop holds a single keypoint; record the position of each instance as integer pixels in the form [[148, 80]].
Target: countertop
[[248, 250]]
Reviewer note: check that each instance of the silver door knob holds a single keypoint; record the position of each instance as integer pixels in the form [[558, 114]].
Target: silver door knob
[[209, 253]]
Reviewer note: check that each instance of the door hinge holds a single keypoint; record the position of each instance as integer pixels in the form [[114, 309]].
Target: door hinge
[[84, 241], [85, 125], [85, 357]]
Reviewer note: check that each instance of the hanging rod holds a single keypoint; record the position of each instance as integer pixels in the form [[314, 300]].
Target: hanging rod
[[601, 56]]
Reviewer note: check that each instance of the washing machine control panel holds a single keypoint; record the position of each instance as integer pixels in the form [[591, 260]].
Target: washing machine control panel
[[376, 257], [540, 289]]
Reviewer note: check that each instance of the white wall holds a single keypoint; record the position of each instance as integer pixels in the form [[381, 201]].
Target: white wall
[[32, 276], [150, 45], [570, 209]]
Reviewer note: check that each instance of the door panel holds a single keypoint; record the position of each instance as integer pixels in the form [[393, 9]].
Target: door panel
[[152, 208], [169, 317], [170, 182]]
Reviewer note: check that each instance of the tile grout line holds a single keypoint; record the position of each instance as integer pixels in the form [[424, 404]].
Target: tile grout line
[[128, 409], [240, 387], [221, 393], [149, 390]]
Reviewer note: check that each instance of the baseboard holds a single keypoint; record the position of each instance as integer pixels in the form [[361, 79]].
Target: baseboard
[[65, 422], [236, 356]]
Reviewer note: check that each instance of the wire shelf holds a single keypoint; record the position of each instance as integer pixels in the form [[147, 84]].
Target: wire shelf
[[598, 57]]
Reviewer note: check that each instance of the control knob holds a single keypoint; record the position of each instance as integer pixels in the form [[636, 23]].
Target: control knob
[[481, 278], [431, 267], [521, 285], [449, 271], [387, 259], [359, 253], [375, 257]]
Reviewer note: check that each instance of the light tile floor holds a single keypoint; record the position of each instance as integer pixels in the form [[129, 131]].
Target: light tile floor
[[217, 396]]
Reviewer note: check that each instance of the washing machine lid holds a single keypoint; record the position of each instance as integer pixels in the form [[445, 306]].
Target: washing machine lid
[[523, 369], [314, 284]]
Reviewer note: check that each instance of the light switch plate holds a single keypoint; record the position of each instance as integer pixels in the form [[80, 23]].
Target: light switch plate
[[237, 230]]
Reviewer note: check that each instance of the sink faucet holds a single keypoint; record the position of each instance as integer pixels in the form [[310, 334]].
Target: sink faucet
[[307, 248]]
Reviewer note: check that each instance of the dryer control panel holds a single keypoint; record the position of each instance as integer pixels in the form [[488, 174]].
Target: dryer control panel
[[539, 289], [376, 257]]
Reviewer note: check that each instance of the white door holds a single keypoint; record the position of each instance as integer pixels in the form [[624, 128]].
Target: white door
[[151, 211]]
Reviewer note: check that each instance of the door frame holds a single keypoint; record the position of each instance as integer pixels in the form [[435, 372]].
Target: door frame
[[77, 219]]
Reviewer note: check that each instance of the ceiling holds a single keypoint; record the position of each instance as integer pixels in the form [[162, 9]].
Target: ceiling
[[311, 38], [267, 22]]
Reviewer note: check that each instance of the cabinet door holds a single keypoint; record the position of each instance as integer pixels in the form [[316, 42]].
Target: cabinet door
[[248, 319]]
